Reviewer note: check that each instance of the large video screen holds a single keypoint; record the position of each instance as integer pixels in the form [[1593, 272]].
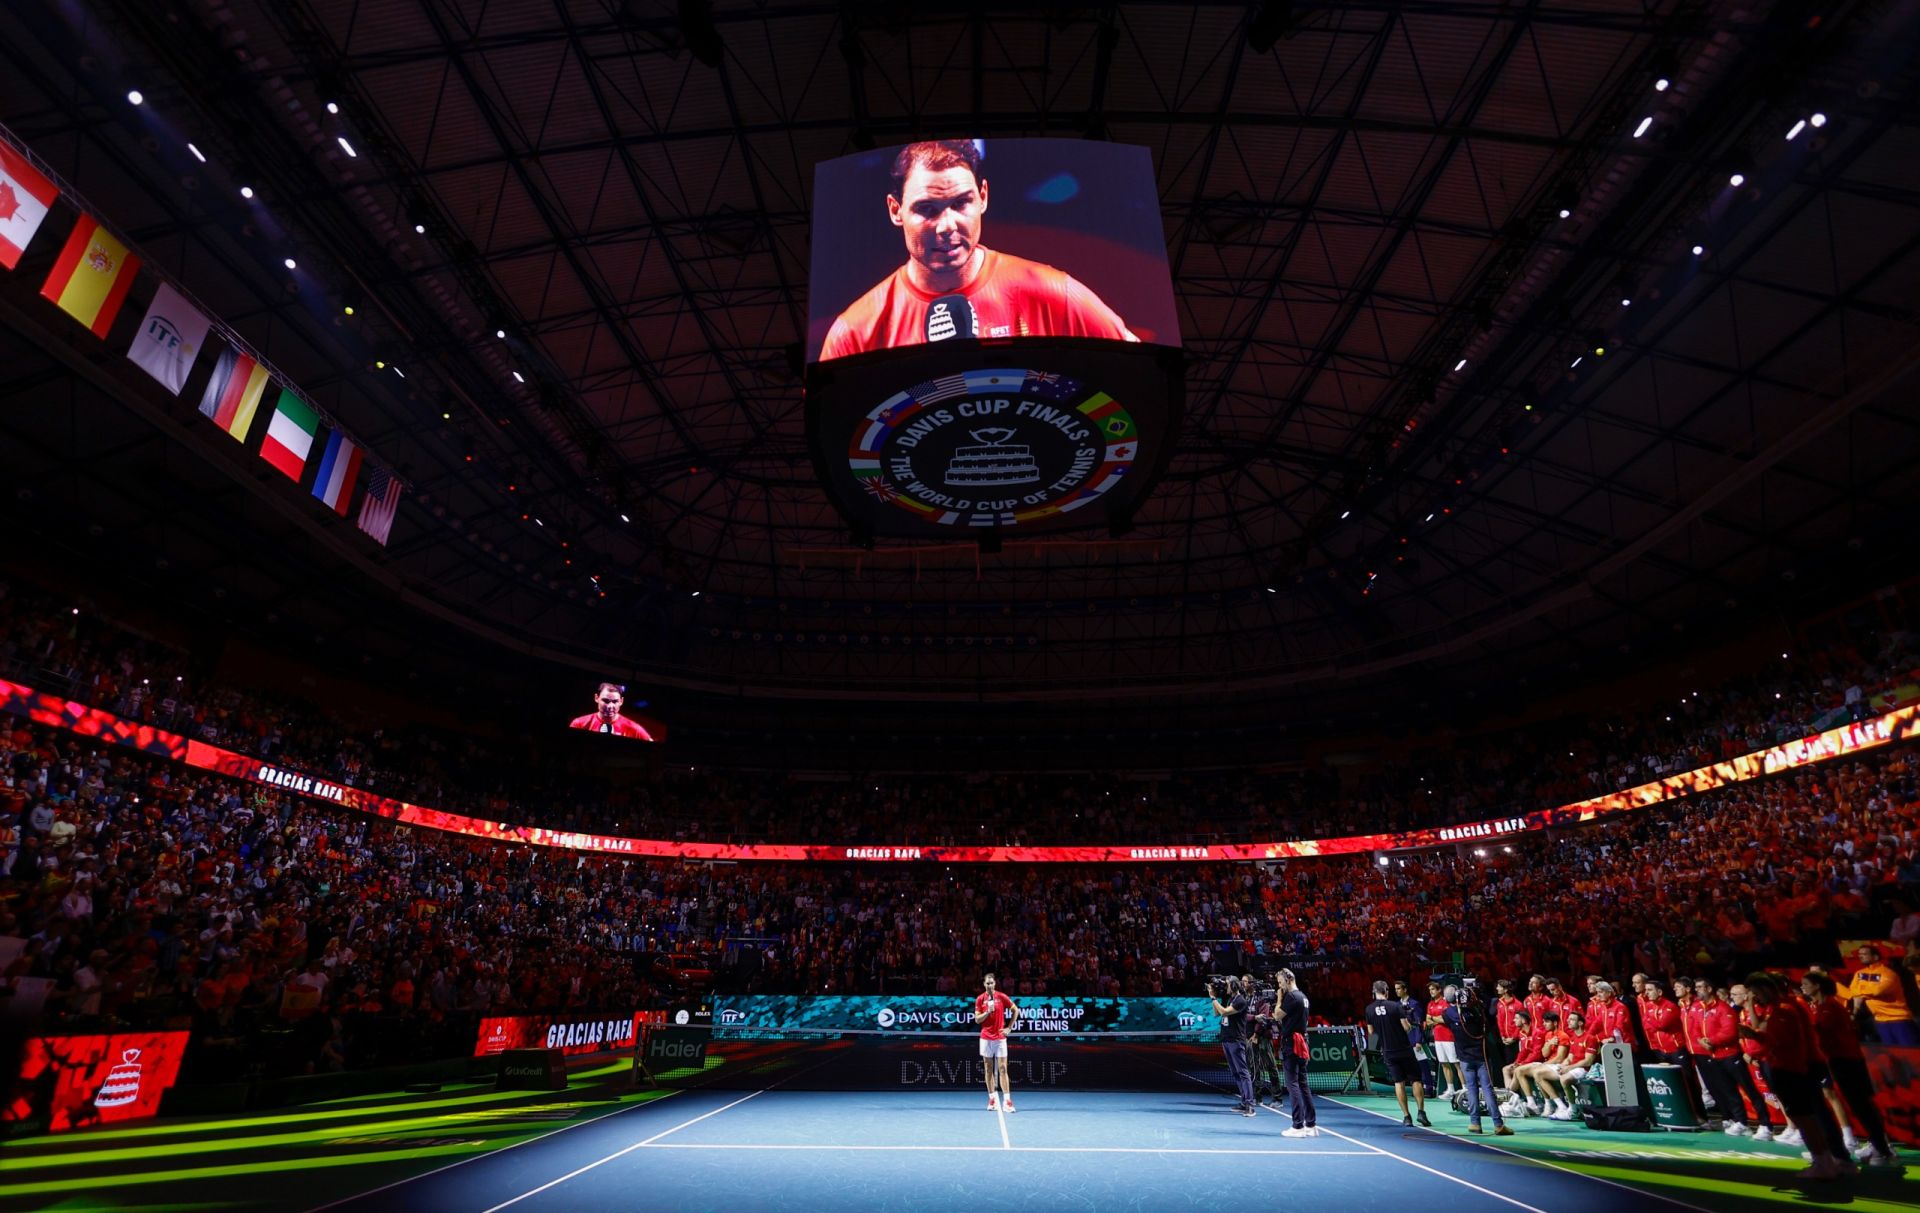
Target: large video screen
[[611, 714], [951, 238]]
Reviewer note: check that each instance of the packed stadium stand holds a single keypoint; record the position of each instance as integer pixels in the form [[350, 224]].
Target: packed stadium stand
[[613, 604]]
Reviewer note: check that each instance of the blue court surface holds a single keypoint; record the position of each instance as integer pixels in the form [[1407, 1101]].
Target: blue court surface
[[904, 1152]]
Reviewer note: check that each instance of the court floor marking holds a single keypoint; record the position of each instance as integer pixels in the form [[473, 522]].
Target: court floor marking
[[706, 1145], [1377, 1150], [1484, 1145], [459, 1162], [1006, 1143], [625, 1151]]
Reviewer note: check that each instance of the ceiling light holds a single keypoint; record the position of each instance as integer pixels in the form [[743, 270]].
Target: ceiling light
[[333, 107], [399, 372], [347, 147], [1271, 590], [1797, 128], [1429, 517], [379, 364], [246, 191], [500, 333], [1566, 212], [446, 416], [1662, 85], [1737, 180], [289, 264], [1599, 351], [197, 153], [134, 97], [624, 518], [1576, 362], [419, 229], [1460, 366], [519, 378], [347, 310], [539, 523], [1818, 121], [1344, 513], [1699, 250], [1624, 302], [1645, 123], [696, 593]]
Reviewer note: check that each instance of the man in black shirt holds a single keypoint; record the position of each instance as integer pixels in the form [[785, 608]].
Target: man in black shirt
[[1292, 1014], [1388, 1020], [1233, 1039]]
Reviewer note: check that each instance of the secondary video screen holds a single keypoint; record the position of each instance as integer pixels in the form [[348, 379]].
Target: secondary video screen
[[613, 715], [958, 238]]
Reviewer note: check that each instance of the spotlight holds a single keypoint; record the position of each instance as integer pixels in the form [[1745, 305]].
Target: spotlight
[[519, 378], [696, 593], [1642, 128], [347, 310], [347, 148], [1699, 250], [1737, 180], [333, 107], [1599, 351], [134, 97], [1460, 366], [246, 191], [1797, 128], [197, 153], [1662, 85], [1576, 362], [1565, 213], [1817, 121], [419, 229], [1344, 513], [1626, 303], [446, 416], [289, 264], [399, 372], [624, 518], [500, 333]]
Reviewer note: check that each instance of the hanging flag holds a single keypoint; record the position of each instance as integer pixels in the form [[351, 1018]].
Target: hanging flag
[[90, 280], [170, 338], [378, 506], [290, 434], [339, 468], [25, 198], [233, 394]]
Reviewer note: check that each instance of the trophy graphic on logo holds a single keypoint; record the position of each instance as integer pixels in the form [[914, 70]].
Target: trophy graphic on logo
[[994, 462], [123, 1082]]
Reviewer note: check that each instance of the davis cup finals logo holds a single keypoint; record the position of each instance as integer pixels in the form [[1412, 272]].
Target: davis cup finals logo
[[885, 1017], [993, 448]]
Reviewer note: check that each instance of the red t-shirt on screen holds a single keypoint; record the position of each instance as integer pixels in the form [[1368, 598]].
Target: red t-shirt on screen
[[620, 727], [994, 1026], [1011, 297]]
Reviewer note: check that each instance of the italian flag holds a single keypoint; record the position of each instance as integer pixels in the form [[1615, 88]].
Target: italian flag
[[290, 435]]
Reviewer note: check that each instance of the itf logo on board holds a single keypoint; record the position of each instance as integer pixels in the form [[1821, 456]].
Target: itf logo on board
[[884, 1016], [1188, 1020]]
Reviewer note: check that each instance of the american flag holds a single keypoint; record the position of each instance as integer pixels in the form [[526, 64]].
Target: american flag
[[378, 506], [940, 389]]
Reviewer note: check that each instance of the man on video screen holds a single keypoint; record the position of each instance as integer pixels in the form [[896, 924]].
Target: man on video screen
[[952, 285], [606, 717]]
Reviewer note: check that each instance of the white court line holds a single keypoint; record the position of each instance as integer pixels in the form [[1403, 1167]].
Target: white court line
[[1006, 1143], [628, 1150], [461, 1162], [1540, 1162], [707, 1145]]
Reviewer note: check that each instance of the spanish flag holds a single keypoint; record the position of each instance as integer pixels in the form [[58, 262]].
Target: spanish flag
[[89, 282]]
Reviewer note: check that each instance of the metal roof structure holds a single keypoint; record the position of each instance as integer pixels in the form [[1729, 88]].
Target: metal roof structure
[[1492, 359]]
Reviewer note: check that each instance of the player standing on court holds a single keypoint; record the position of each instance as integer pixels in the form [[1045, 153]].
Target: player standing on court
[[991, 1010]]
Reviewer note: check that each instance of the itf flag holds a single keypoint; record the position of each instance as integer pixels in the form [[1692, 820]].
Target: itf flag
[[25, 197], [170, 338], [339, 468], [89, 282], [290, 435]]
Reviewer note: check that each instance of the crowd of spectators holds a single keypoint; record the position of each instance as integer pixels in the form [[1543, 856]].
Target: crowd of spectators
[[75, 652]]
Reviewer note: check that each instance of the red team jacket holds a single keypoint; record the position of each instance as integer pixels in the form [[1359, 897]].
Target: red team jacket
[[1608, 1018], [1662, 1023]]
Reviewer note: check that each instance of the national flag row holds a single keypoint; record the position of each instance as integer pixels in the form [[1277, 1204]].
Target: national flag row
[[90, 280]]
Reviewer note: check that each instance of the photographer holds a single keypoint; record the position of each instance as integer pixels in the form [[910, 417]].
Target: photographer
[[1233, 1036], [1263, 1050], [1467, 1017]]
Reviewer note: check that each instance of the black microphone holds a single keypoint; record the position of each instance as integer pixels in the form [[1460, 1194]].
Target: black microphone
[[950, 316]]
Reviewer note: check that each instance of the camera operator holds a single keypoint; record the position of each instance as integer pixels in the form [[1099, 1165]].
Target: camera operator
[[1233, 1036], [1263, 1050], [1293, 1054], [1467, 1017]]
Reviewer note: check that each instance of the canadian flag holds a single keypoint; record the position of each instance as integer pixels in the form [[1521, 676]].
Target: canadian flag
[[25, 197], [1122, 452]]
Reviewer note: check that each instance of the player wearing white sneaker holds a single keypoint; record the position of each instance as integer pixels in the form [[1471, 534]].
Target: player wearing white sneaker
[[996, 1014]]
